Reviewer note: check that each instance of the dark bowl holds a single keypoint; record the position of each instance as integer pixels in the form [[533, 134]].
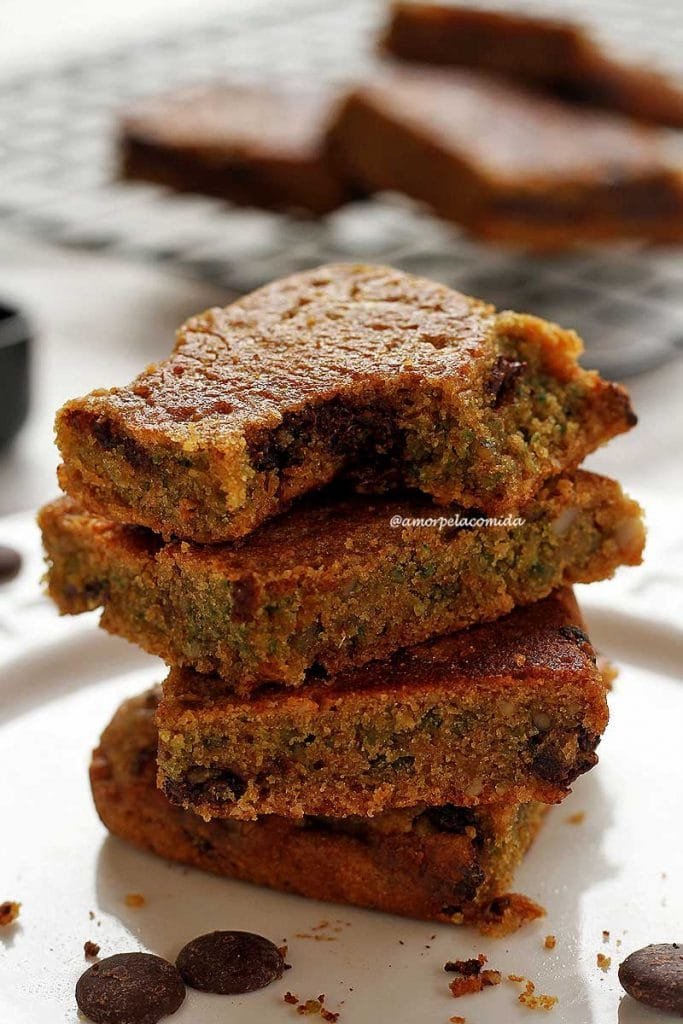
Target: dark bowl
[[15, 342]]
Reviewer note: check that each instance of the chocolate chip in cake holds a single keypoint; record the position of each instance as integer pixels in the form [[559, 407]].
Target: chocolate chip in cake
[[450, 818], [130, 988], [230, 962], [10, 563], [654, 976], [502, 378]]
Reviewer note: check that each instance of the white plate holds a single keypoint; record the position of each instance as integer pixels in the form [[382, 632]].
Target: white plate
[[619, 870]]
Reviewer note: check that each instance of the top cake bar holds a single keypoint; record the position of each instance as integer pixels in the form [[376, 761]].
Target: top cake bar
[[348, 371]]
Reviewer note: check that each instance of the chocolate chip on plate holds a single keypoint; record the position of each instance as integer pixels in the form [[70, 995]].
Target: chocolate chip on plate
[[654, 976], [10, 563], [130, 988], [230, 962]]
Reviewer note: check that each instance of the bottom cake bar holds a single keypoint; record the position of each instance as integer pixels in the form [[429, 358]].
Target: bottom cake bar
[[450, 864]]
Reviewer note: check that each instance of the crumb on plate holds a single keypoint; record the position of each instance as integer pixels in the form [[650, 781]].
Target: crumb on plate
[[604, 962], [9, 912]]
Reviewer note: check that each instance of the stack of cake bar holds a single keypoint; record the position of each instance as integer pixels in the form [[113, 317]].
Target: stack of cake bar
[[346, 511]]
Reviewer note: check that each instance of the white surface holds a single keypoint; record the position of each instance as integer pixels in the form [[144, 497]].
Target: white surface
[[42, 31], [619, 870]]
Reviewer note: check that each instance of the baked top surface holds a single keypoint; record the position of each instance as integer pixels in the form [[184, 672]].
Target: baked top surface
[[329, 534], [298, 340], [509, 134], [235, 121]]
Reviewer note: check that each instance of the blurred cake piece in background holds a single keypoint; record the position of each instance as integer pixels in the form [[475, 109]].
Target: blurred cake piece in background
[[254, 146], [548, 52], [509, 164]]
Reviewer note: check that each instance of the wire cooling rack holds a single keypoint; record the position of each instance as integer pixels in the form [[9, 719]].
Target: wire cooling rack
[[57, 176]]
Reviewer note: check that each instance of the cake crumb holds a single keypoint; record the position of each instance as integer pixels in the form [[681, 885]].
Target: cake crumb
[[506, 914], [312, 1007], [470, 976], [604, 962], [9, 912], [550, 942], [605, 935], [91, 949], [529, 998], [577, 818], [456, 1020], [135, 899]]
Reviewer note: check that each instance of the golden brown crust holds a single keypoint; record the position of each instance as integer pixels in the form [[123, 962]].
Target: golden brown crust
[[348, 370], [334, 584], [251, 145], [548, 52], [441, 864], [506, 711], [507, 163]]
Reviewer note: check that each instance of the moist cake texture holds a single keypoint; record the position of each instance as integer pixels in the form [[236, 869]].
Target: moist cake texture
[[347, 371], [331, 585], [506, 711], [509, 164], [451, 864], [547, 52], [249, 144]]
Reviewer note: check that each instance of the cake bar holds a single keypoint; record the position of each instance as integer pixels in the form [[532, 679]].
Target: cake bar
[[450, 864], [507, 711], [348, 371], [334, 584], [551, 53], [507, 164], [249, 144]]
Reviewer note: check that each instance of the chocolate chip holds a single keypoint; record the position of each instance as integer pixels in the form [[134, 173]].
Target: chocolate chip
[[573, 633], [654, 976], [502, 378], [472, 879], [206, 786], [230, 962], [550, 766], [468, 968], [130, 988], [499, 905], [10, 563], [110, 437], [450, 818]]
